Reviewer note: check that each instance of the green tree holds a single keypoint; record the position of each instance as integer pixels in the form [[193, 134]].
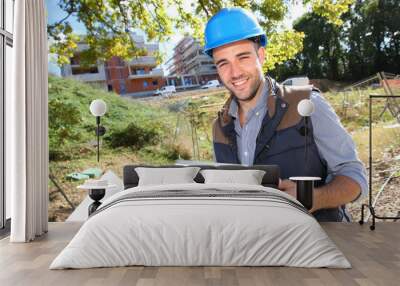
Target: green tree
[[109, 23], [367, 42], [374, 38], [322, 52]]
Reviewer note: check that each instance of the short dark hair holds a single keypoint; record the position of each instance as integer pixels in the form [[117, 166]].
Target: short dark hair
[[256, 40]]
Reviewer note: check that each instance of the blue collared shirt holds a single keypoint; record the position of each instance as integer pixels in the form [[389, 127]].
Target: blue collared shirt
[[334, 143], [246, 135]]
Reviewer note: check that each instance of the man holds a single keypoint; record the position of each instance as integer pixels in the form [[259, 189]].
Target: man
[[260, 124]]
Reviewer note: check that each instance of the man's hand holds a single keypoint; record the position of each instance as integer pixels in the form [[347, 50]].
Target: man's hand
[[341, 190], [288, 186]]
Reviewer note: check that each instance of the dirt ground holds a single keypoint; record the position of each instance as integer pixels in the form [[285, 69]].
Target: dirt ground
[[388, 200]]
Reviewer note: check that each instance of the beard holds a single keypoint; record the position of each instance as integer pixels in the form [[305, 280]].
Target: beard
[[251, 94]]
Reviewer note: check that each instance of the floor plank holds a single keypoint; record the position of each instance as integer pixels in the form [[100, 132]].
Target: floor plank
[[374, 255]]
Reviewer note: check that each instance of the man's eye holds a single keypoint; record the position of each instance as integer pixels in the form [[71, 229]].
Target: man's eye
[[244, 58], [221, 65]]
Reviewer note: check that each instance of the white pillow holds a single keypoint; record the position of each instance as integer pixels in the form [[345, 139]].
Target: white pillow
[[166, 176], [248, 177]]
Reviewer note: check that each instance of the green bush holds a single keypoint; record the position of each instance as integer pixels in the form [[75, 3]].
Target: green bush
[[64, 118], [133, 136]]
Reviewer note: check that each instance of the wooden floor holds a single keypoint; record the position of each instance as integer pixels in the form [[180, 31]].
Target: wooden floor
[[374, 255]]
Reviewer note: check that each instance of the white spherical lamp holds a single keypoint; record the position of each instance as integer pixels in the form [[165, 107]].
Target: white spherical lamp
[[98, 107], [305, 107]]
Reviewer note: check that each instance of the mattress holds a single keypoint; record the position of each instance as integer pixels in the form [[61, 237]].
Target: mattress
[[201, 225]]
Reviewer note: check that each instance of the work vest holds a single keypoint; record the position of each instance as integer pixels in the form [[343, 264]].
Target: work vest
[[280, 141]]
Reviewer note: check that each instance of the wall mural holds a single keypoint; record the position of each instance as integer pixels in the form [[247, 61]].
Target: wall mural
[[159, 97]]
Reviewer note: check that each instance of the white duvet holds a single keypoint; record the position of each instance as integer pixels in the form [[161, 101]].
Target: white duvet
[[185, 231]]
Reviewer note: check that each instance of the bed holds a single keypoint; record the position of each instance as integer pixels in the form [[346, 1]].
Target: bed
[[201, 224]]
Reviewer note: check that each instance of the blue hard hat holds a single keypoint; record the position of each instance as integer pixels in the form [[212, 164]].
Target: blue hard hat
[[230, 25]]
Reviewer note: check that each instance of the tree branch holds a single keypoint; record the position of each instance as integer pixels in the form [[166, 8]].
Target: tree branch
[[69, 8], [204, 8], [126, 22]]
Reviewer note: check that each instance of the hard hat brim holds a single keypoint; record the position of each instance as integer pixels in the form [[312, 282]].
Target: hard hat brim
[[229, 40]]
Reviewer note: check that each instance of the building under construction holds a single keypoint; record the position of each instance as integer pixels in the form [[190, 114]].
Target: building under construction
[[190, 67], [138, 77]]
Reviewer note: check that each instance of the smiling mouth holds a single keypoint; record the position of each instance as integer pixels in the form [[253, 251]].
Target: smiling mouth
[[240, 83]]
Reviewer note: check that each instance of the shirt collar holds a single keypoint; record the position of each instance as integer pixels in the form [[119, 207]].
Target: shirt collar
[[261, 103]]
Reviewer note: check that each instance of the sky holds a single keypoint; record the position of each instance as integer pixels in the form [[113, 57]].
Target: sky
[[54, 13]]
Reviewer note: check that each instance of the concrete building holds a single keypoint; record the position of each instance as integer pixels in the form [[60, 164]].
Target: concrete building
[[189, 66], [139, 77], [93, 74]]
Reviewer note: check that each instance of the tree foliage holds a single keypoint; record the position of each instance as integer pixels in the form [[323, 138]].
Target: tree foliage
[[331, 10], [64, 117], [374, 37], [109, 24], [322, 49], [367, 42]]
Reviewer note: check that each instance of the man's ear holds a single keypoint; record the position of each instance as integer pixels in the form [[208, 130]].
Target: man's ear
[[261, 55]]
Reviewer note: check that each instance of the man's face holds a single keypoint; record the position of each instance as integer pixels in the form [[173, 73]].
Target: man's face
[[239, 66]]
